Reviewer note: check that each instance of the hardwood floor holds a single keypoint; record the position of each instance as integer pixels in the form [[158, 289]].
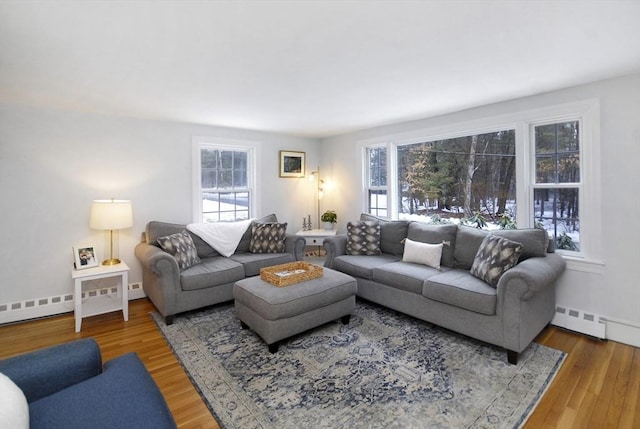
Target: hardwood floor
[[598, 386]]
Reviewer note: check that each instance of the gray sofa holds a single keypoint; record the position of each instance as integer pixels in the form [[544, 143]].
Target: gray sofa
[[209, 282], [509, 315]]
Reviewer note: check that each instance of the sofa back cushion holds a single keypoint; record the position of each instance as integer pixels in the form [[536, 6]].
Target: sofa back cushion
[[157, 229], [468, 239], [245, 241], [392, 233], [436, 234], [535, 241]]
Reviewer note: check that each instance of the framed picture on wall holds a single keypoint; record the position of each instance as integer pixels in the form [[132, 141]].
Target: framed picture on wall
[[85, 256], [292, 164]]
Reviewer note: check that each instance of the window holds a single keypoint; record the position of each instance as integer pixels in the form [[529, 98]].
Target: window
[[557, 182], [377, 182], [469, 177], [536, 168], [223, 179]]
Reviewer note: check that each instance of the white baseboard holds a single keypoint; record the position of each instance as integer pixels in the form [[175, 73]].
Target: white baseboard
[[623, 331], [52, 305]]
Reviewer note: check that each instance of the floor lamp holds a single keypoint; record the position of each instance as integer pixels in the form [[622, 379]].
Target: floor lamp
[[110, 215], [320, 189]]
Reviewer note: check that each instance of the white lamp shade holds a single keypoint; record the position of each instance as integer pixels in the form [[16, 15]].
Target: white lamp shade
[[111, 214]]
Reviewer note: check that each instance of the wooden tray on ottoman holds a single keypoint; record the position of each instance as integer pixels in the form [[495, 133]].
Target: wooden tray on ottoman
[[291, 273]]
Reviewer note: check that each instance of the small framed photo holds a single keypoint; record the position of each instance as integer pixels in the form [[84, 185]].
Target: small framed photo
[[85, 256], [292, 164]]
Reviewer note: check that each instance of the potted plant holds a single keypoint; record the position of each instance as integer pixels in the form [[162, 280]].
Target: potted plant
[[329, 218]]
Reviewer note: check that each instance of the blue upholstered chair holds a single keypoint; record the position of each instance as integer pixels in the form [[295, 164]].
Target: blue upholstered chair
[[66, 386]]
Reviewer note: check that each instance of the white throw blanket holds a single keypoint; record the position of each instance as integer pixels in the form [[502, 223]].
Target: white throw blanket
[[222, 236]]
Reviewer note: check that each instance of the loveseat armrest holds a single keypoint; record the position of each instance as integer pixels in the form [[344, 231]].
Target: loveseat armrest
[[158, 261], [295, 244], [50, 370], [334, 246]]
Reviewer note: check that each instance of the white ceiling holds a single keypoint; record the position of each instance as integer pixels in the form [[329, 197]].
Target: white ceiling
[[311, 68]]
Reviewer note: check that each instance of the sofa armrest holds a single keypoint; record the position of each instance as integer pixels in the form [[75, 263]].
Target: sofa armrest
[[532, 275], [47, 371], [295, 244], [334, 246]]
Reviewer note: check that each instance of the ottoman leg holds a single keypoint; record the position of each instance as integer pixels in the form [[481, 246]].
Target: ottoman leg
[[345, 319], [244, 325], [273, 348]]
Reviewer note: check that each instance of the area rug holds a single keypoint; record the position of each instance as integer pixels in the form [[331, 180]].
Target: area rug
[[382, 370]]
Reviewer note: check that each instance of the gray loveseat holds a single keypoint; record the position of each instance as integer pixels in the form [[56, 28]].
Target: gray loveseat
[[509, 315], [208, 282]]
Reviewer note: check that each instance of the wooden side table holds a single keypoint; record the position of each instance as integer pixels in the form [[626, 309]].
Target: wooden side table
[[100, 304], [314, 237]]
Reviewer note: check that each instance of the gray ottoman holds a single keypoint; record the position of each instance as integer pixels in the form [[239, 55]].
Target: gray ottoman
[[276, 313]]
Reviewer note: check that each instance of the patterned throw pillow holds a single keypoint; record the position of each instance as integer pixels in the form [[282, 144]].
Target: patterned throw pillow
[[495, 256], [363, 238], [182, 248], [268, 237]]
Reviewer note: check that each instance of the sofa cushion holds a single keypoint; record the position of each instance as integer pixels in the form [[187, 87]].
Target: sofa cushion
[[434, 234], [535, 241], [210, 272], [459, 288], [157, 229], [495, 256], [403, 275], [14, 412], [252, 262], [245, 241], [392, 232], [468, 240], [182, 248], [362, 266], [363, 238], [422, 253], [268, 237]]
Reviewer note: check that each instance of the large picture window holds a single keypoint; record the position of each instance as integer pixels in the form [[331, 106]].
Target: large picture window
[[223, 188], [469, 177]]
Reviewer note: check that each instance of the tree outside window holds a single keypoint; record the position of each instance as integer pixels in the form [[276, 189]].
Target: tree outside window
[[468, 179], [557, 182]]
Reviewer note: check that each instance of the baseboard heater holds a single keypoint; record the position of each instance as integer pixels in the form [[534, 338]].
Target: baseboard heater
[[580, 321]]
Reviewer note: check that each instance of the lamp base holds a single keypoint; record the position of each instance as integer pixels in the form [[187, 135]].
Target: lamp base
[[112, 261]]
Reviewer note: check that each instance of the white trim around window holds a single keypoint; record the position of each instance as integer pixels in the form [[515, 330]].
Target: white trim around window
[[253, 167]]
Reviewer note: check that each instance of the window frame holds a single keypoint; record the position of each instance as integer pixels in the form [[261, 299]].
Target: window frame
[[252, 149], [587, 112]]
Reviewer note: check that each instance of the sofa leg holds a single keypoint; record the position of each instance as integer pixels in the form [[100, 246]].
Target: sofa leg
[[168, 320], [244, 325], [345, 319], [273, 348], [512, 357]]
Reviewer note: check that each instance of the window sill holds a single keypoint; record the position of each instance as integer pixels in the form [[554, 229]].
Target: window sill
[[584, 265]]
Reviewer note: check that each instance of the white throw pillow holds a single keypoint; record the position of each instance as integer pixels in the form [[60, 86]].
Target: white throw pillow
[[14, 411], [422, 253]]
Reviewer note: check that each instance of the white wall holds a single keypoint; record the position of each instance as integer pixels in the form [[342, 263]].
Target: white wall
[[53, 163], [615, 292]]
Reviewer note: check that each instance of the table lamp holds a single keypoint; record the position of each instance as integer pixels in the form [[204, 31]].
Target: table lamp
[[111, 215]]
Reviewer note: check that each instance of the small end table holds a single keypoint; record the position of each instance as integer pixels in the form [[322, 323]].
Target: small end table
[[314, 237], [101, 303]]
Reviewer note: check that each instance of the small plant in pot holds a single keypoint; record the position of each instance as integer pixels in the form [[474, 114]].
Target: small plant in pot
[[329, 218]]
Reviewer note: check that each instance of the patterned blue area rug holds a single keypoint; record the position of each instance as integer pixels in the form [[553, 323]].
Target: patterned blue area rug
[[383, 370]]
